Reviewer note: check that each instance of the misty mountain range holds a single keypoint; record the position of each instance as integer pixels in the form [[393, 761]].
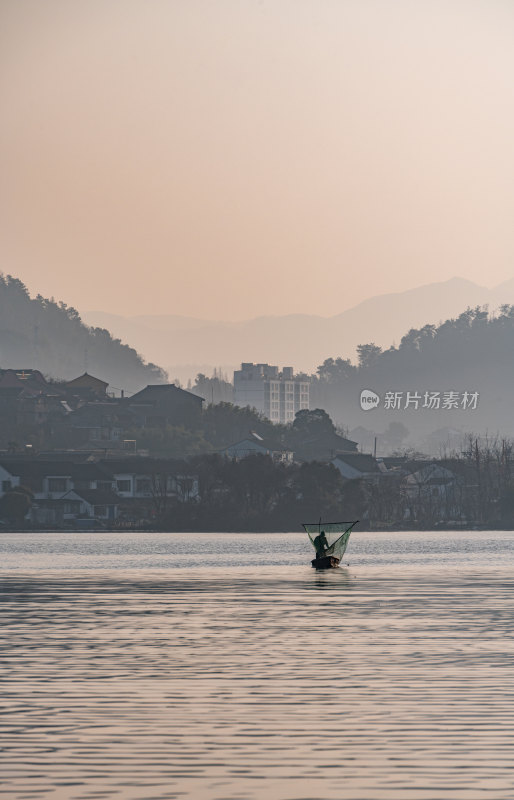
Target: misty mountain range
[[38, 333], [185, 345]]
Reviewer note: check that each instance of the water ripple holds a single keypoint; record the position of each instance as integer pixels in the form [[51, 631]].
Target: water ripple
[[229, 681]]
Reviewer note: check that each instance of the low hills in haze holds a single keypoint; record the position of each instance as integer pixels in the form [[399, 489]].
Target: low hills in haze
[[301, 340], [50, 336], [438, 384]]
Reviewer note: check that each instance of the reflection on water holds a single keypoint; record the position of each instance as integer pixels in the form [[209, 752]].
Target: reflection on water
[[249, 675]]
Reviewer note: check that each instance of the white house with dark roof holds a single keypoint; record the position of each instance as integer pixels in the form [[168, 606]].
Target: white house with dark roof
[[98, 503], [46, 481], [62, 490], [49, 480], [140, 478]]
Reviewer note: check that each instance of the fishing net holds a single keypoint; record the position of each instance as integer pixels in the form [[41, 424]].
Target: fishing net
[[337, 535]]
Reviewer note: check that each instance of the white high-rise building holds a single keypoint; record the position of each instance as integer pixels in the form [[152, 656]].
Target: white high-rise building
[[277, 395]]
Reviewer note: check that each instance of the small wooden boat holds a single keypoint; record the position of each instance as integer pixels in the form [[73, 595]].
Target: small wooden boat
[[330, 541], [326, 562]]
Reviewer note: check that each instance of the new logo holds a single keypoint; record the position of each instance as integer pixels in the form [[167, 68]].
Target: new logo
[[369, 399]]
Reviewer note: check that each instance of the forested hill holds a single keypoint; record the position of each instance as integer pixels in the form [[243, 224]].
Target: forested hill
[[50, 336], [472, 353]]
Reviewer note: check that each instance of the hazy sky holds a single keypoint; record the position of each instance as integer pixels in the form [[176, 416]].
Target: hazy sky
[[227, 159]]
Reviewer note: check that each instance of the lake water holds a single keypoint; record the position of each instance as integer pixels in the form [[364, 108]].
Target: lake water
[[223, 667]]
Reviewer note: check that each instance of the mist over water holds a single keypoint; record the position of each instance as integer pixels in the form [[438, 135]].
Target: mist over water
[[222, 666]]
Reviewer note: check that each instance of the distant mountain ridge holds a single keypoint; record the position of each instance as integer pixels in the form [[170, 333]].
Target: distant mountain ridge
[[300, 340]]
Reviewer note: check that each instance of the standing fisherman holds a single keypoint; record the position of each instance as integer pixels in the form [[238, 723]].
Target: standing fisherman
[[321, 545]]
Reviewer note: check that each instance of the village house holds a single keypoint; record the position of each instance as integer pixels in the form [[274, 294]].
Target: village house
[[49, 480], [23, 378], [99, 424], [87, 386], [100, 504], [27, 400], [159, 405], [257, 445], [63, 491], [324, 447], [142, 478], [80, 412], [353, 466]]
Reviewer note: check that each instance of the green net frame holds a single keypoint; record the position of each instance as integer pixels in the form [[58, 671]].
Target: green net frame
[[337, 535]]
